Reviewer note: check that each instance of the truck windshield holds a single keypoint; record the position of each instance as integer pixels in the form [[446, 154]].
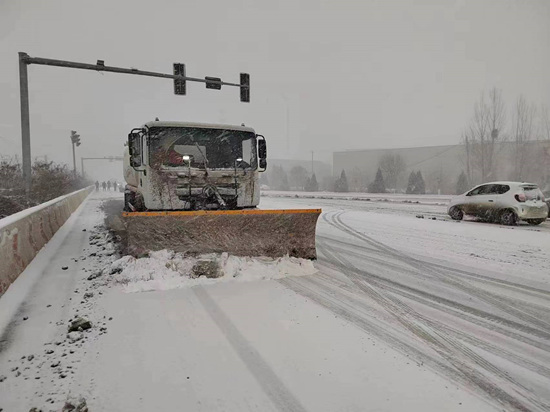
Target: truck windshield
[[213, 148]]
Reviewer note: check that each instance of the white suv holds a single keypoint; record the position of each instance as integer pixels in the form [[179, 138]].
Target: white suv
[[504, 202]]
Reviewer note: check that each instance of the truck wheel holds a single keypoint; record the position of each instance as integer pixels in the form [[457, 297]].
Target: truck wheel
[[456, 213], [128, 198], [535, 221], [508, 218], [139, 204]]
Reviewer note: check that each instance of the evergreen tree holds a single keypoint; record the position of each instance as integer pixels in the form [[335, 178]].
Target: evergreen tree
[[314, 184], [462, 184], [378, 186], [420, 185], [279, 179], [411, 186], [298, 178], [311, 184], [342, 183]]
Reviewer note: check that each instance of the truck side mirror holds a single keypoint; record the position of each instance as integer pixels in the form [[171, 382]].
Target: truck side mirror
[[262, 147], [134, 149], [262, 153]]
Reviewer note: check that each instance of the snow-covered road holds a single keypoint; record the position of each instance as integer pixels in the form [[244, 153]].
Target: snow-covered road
[[469, 299], [404, 314]]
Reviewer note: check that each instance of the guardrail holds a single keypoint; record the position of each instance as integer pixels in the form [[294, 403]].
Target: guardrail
[[23, 234]]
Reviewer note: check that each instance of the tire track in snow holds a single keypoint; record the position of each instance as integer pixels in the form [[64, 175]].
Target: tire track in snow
[[453, 271], [273, 387], [346, 292], [470, 313], [473, 367], [480, 318], [506, 305]]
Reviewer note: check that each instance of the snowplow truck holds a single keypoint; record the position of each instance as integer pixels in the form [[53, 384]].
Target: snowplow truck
[[194, 188]]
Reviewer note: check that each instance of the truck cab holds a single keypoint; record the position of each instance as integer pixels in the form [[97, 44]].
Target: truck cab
[[193, 166]]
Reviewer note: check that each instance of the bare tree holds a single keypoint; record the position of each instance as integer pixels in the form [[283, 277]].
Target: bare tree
[[483, 134], [393, 166], [523, 130]]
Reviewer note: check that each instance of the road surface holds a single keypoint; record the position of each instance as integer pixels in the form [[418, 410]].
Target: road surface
[[404, 313]]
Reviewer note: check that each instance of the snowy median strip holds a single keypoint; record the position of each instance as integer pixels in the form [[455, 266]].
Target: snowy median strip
[[165, 270]]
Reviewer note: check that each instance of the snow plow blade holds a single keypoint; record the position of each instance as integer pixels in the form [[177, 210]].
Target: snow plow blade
[[253, 232]]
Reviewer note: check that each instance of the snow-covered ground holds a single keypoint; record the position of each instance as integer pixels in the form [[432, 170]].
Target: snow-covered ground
[[399, 313]]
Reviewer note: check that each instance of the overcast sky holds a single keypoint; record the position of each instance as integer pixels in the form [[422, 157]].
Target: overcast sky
[[335, 74]]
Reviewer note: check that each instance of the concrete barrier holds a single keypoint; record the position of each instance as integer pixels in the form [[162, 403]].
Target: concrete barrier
[[23, 234]]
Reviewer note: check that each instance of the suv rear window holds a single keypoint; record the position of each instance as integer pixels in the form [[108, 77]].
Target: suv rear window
[[532, 192]]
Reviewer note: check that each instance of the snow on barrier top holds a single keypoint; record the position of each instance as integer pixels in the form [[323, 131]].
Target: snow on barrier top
[[23, 234]]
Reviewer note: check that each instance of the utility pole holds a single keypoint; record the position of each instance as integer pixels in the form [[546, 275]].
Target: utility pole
[[75, 140], [312, 162], [178, 77]]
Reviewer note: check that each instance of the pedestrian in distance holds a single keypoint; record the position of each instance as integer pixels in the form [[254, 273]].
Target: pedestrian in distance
[[103, 185], [96, 185], [108, 185]]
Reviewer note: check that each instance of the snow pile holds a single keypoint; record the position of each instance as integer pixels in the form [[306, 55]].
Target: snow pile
[[164, 270]]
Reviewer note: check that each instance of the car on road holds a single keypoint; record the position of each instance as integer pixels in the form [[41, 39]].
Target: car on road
[[503, 202]]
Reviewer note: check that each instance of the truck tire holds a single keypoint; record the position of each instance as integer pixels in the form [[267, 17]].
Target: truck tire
[[139, 204], [127, 200]]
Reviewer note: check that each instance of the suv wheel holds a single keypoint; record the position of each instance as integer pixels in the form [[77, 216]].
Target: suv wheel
[[456, 213], [508, 218]]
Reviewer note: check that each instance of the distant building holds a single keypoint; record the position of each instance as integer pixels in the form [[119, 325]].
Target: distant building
[[272, 178], [441, 165], [320, 169]]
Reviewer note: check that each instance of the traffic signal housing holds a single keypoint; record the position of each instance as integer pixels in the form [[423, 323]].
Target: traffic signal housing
[[75, 138], [179, 84], [245, 87]]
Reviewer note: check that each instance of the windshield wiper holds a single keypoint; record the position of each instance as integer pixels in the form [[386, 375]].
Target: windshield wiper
[[205, 160]]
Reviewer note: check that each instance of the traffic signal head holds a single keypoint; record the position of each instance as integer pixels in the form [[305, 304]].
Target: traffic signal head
[[75, 138], [245, 87], [179, 85]]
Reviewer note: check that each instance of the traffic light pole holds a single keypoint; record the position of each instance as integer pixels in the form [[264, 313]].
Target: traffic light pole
[[74, 160], [102, 68], [25, 123], [25, 60]]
